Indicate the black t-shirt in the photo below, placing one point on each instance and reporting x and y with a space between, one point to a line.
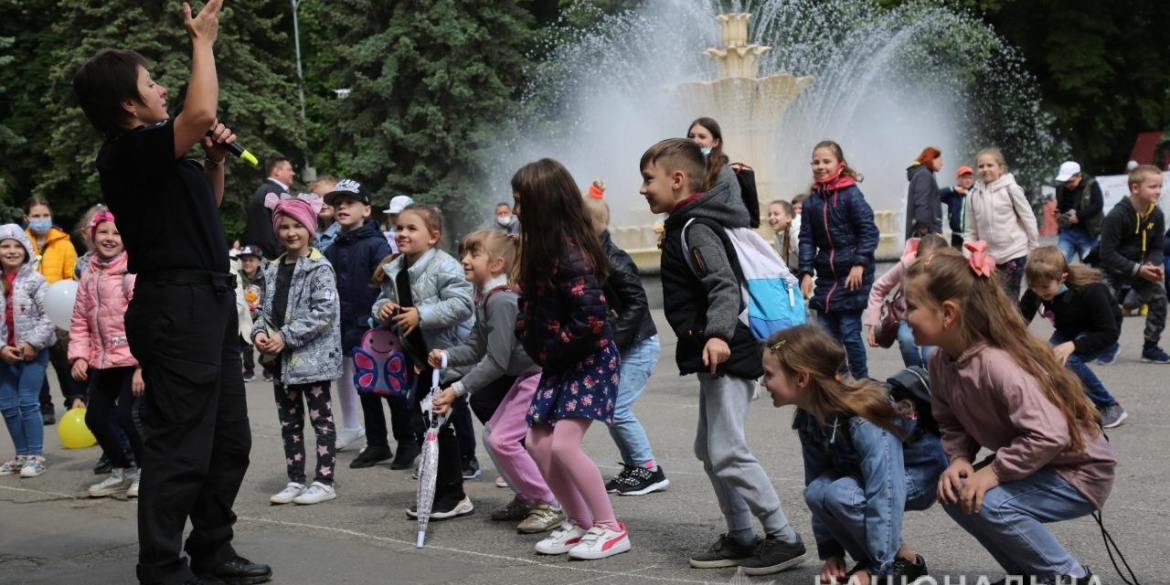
284 274
165 206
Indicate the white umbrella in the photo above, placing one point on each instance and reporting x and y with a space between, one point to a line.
428 467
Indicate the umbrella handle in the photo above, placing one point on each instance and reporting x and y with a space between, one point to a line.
435 373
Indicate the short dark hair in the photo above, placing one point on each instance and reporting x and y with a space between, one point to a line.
102 83
272 162
678 154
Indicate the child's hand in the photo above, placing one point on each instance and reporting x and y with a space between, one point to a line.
77 403
80 370
435 358
275 344
806 287
407 320
261 342
872 337
976 486
833 571
28 352
1150 272
951 481
387 310
1064 350
442 402
10 354
137 386
715 353
855 278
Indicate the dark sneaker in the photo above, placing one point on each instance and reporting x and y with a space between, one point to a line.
1113 416
267 376
726 552
48 418
1110 359
611 486
642 481
103 466
905 573
203 581
1066 580
240 571
249 377
471 468
371 457
1153 354
773 556
405 457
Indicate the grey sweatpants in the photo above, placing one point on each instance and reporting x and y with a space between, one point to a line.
741 485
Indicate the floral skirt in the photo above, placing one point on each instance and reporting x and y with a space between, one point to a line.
587 390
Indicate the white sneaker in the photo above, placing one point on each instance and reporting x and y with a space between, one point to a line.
562 540
346 437
288 494
119 481
601 542
317 493
133 491
12 467
34 466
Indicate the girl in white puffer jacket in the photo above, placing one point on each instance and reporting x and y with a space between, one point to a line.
998 213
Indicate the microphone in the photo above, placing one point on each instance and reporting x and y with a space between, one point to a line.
240 151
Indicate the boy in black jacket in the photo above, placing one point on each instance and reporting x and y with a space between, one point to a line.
703 306
1131 253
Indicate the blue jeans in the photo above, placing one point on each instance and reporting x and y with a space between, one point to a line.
865 519
1074 241
845 327
638 363
1011 523
20 392
1078 363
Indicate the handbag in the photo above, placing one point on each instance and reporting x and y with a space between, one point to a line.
890 318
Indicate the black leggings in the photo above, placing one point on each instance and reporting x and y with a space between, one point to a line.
112 390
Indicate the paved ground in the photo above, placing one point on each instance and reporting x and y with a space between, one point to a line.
50 533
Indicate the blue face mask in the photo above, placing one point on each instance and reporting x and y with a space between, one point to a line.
706 150
41 226
1062 289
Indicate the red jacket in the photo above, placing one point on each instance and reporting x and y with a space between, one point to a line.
97 332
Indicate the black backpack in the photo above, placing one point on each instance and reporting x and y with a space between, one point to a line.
910 388
748 191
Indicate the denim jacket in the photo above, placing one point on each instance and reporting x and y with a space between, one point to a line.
891 472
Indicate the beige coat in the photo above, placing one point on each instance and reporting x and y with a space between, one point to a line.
1000 215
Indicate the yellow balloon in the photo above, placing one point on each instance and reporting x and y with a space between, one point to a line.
73 432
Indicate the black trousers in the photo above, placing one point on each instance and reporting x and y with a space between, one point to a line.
184 332
449 476
113 391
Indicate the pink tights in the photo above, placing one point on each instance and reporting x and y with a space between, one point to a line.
570 473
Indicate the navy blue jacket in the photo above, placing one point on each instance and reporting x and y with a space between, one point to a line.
355 255
837 232
956 203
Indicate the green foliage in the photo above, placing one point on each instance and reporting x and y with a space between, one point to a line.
429 82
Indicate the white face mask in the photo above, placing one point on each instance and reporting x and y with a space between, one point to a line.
706 150
504 220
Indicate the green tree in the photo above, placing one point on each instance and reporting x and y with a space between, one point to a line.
429 83
257 95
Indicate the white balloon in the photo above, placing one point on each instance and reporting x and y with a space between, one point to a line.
59 302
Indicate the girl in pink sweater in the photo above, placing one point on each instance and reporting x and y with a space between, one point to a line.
98 346
995 386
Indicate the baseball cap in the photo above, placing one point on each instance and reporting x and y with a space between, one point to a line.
397 204
1067 170
965 170
348 188
251 251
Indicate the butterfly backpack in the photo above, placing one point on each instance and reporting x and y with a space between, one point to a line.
381 366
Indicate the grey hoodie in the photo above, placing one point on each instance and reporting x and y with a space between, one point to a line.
492 347
28 299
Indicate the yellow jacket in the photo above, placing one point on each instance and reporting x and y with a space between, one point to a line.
58 258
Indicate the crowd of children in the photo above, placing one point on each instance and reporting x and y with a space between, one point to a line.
541 333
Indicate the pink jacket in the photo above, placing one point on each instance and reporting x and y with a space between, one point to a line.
984 399
97 332
882 286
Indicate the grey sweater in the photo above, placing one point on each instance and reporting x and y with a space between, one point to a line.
492 346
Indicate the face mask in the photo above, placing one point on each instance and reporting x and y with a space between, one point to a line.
706 150
41 226
1063 288
504 221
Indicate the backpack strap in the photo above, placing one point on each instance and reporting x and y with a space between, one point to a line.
728 249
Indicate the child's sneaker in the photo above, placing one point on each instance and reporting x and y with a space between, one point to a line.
289 493
118 482
317 493
772 556
249 377
541 518
12 467
471 468
501 482
515 510
1112 416
562 540
445 508
726 552
133 491
1110 359
347 436
612 485
908 573
642 481
1152 354
34 465
601 542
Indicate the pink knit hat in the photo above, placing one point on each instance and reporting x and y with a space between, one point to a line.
303 208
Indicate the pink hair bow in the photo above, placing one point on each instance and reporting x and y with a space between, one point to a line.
981 264
315 201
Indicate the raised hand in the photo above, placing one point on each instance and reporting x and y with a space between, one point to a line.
205 26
